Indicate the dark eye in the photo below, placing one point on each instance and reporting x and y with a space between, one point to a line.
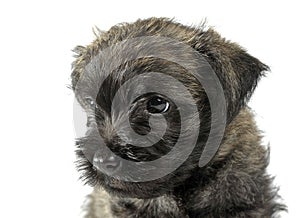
157 105
90 102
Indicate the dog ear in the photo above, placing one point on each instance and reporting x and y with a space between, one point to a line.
82 57
237 71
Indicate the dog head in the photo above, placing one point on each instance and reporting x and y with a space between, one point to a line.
150 90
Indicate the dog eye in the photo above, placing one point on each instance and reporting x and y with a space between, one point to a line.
90 102
157 105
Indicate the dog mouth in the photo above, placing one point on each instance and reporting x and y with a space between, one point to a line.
129 189
115 184
120 188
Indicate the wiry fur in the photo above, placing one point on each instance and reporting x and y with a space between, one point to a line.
233 184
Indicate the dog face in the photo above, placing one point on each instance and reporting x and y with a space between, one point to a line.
153 129
140 107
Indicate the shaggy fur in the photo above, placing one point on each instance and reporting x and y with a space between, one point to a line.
233 184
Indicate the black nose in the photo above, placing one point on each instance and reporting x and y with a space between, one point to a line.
108 165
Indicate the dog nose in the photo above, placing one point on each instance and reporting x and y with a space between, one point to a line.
109 165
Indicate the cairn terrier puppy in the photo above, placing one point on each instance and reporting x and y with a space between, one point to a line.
169 133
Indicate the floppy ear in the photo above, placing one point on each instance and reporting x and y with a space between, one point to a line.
242 78
238 71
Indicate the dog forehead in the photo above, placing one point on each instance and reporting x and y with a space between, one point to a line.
137 58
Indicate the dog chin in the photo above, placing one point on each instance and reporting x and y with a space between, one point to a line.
130 189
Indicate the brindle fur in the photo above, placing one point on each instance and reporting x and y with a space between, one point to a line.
235 183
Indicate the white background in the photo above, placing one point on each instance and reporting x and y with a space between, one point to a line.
38 177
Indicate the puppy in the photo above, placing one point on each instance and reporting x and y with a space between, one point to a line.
169 132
